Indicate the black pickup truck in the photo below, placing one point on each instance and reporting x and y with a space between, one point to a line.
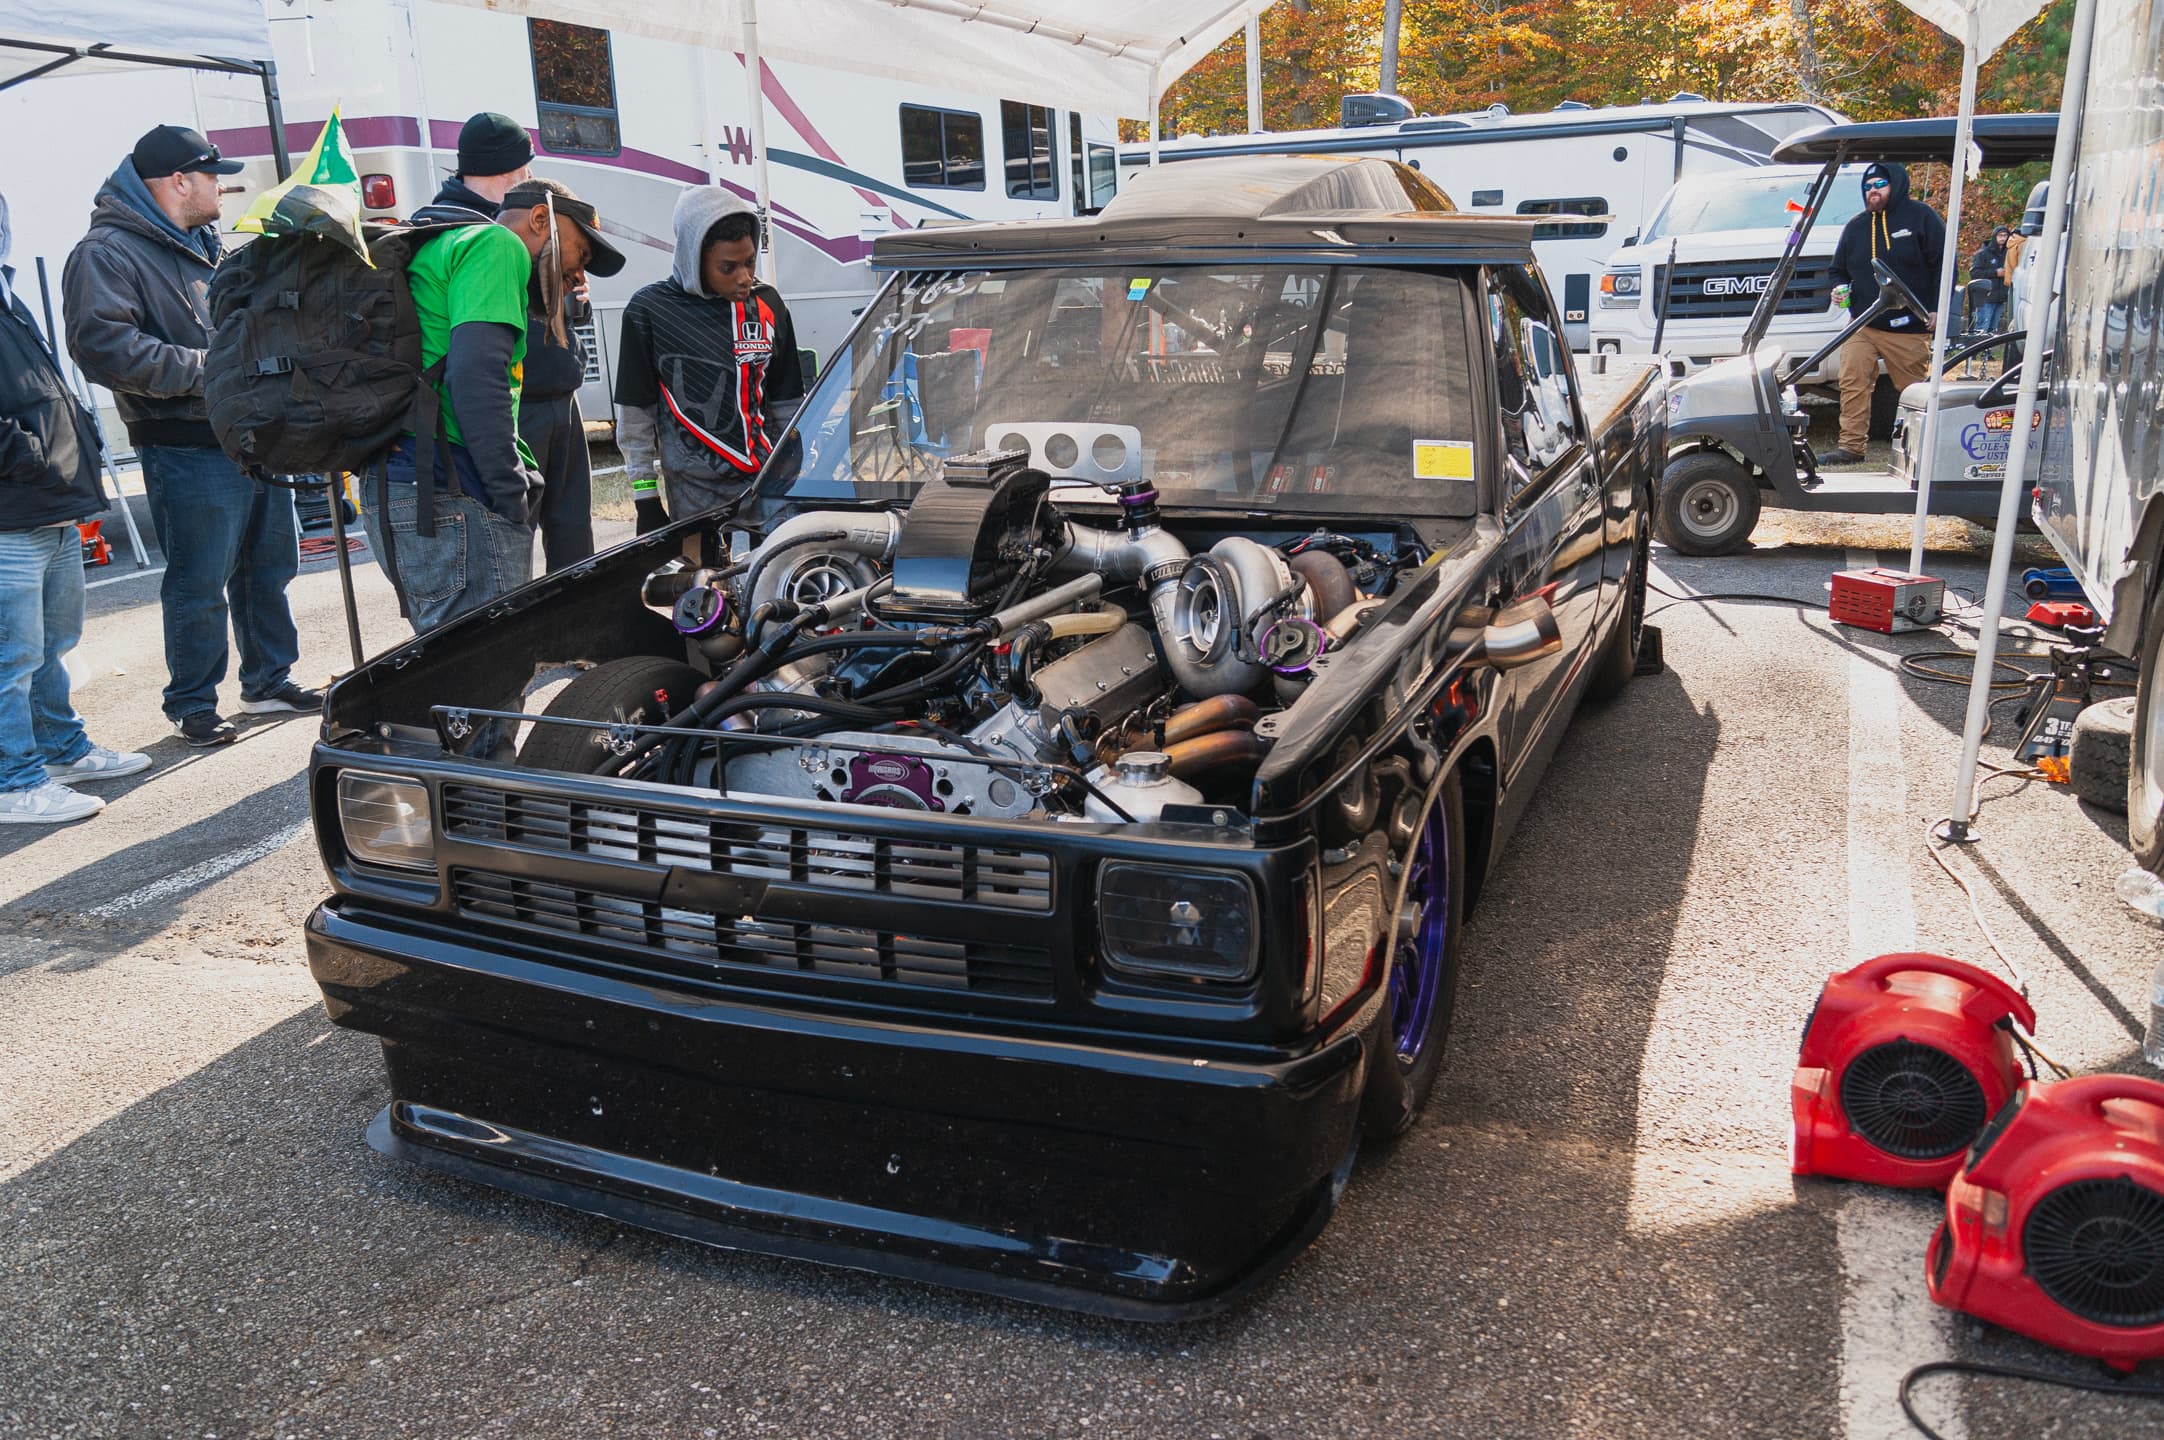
1024 845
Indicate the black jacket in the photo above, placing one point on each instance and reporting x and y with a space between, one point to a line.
1985 265
718 378
1907 235
138 312
552 371
48 441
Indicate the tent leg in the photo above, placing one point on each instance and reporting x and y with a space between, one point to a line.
2017 452
1254 73
337 496
1157 103
757 68
275 109
1964 136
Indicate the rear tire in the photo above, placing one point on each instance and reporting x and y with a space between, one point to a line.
636 690
1708 504
1420 992
2145 749
2097 765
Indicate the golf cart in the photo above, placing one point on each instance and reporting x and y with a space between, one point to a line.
1737 430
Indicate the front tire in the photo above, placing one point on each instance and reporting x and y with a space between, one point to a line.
634 690
2145 752
1422 987
1708 504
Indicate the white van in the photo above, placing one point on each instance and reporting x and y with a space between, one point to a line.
1728 231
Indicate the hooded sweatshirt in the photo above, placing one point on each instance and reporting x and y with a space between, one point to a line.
703 384
136 289
1907 235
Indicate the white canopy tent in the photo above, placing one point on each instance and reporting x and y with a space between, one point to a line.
1981 26
42 38
1110 56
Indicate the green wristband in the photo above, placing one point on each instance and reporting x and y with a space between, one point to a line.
645 485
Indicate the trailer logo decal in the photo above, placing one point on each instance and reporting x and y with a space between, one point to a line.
1735 284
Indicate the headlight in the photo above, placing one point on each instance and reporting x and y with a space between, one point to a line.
386 821
1620 287
1159 922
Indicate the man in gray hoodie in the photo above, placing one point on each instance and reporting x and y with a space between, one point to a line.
707 370
138 322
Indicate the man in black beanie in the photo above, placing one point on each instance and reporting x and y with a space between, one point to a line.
494 154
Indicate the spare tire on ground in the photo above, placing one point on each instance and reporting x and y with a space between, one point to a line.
636 690
2096 765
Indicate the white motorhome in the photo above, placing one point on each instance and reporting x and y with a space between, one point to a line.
628 121
1600 171
1727 232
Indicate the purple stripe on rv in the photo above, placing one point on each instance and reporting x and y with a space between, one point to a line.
375 132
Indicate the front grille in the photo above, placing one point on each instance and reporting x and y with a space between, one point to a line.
1810 288
808 855
713 947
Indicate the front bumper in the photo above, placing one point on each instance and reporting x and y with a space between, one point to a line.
1142 1184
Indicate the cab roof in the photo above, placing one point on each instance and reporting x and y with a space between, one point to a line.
1331 208
2006 140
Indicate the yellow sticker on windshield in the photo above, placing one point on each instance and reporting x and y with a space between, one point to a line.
1137 288
1442 459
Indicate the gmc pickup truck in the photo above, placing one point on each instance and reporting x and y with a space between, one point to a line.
1023 845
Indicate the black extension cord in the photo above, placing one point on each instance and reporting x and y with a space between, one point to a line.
2010 1372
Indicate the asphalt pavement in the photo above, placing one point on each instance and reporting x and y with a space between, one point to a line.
1592 1232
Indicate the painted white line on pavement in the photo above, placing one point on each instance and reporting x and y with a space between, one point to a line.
1888 1322
196 876
124 579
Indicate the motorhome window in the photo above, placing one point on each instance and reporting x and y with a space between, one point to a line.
1104 176
1748 201
574 83
942 149
1028 128
1078 182
1568 229
1231 387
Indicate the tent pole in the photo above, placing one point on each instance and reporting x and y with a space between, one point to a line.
1964 136
1959 821
757 68
1254 72
276 110
1157 103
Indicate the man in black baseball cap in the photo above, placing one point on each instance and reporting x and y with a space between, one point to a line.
176 150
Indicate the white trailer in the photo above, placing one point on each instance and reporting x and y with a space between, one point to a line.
1600 171
628 120
2100 497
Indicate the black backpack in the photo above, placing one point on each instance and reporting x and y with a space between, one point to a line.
314 364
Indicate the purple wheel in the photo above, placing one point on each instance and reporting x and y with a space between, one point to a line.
1423 959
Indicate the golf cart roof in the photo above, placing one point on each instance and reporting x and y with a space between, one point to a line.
2006 140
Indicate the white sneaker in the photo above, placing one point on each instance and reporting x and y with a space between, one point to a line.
101 764
50 804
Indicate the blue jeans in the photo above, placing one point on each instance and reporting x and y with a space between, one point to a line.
475 555
41 618
1988 314
231 547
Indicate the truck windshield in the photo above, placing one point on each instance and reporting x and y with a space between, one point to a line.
1754 202
1342 390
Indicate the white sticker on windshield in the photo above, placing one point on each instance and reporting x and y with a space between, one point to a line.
1442 459
991 287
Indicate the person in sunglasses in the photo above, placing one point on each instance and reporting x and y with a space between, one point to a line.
138 323
1909 236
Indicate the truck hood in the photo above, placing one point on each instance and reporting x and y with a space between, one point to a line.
1725 245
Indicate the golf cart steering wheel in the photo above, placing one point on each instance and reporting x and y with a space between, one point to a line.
1903 296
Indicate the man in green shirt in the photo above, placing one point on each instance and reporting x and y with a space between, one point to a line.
473 290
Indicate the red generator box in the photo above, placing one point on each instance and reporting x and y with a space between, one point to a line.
1885 600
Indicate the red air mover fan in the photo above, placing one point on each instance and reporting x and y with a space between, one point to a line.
2055 1229
1904 1059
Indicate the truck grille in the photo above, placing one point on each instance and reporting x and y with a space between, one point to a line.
1729 289
703 946
837 860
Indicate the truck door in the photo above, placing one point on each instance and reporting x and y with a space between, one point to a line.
1551 495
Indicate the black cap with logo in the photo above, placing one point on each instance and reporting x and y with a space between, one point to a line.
606 259
174 149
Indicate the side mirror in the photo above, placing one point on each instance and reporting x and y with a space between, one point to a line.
1519 634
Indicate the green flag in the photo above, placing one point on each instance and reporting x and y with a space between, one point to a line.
322 197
